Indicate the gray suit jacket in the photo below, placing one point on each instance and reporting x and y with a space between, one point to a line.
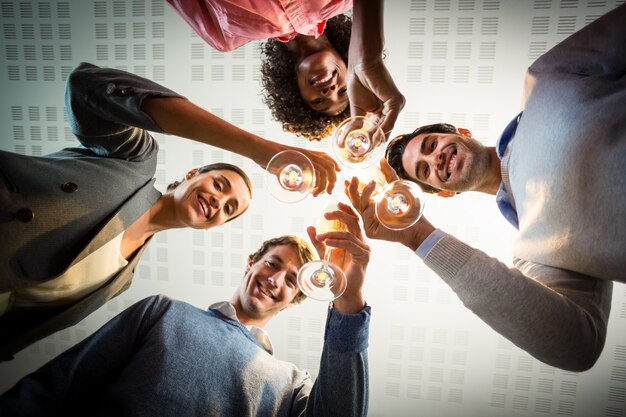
57 209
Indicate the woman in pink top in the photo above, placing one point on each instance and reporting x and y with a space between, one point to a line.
316 58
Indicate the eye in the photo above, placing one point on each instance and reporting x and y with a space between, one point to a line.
229 209
426 171
270 264
217 186
291 283
342 91
317 101
433 145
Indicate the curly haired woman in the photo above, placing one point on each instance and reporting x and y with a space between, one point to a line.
316 60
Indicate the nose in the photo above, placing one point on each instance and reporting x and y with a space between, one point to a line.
328 90
436 160
276 279
215 203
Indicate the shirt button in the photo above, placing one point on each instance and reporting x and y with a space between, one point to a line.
69 187
24 215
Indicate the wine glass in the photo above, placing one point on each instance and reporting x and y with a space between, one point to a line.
322 279
399 205
289 176
357 142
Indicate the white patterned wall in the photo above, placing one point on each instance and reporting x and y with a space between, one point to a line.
460 61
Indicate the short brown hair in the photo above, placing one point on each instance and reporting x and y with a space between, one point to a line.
397 146
303 249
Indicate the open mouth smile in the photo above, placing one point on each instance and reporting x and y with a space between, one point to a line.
324 80
204 207
450 163
265 292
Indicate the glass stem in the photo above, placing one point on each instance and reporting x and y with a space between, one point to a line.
327 254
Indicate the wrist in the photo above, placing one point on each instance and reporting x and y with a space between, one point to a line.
416 235
265 151
349 304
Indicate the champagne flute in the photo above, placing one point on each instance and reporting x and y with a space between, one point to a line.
322 279
289 176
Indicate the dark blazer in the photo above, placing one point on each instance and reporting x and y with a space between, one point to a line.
59 208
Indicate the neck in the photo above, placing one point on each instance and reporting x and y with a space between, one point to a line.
245 318
493 178
159 217
302 46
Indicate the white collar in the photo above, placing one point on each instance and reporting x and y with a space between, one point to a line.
258 333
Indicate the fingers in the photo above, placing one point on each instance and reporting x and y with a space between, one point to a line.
388 171
346 215
320 181
348 242
320 247
325 172
360 201
380 136
391 111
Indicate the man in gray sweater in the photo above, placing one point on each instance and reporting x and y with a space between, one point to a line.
162 357
559 176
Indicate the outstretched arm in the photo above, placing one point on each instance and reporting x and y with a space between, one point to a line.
180 117
110 111
341 388
370 86
73 379
558 316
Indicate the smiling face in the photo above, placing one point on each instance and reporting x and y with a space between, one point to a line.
446 161
321 79
269 285
209 199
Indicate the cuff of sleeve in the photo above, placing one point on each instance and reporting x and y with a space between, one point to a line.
448 257
429 243
347 332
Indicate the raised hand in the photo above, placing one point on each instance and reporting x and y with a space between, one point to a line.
363 202
372 90
350 253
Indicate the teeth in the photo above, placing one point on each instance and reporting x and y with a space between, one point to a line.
325 78
267 293
452 164
204 207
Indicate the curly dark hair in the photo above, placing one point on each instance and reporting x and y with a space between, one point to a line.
304 250
397 146
280 86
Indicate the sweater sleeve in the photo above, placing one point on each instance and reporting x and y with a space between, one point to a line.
72 378
342 385
104 111
558 316
598 48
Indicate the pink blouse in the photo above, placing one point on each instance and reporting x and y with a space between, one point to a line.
229 24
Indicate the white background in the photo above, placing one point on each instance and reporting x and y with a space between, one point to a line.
460 61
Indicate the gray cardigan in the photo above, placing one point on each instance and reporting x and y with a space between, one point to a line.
565 173
57 209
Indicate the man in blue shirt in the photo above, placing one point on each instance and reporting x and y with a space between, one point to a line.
558 176
168 358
